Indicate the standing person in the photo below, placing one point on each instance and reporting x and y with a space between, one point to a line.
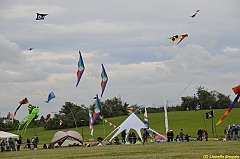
171 135
123 136
36 141
226 133
28 144
7 145
168 136
33 143
2 145
181 135
145 135
200 134
205 135
11 144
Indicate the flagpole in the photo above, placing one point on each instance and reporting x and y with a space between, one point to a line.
212 126
204 121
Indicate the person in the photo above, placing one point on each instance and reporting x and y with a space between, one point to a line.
28 144
200 134
33 143
145 135
168 136
116 141
19 141
205 135
16 144
7 145
123 136
36 141
171 135
187 136
181 135
2 145
226 133
44 146
11 144
134 138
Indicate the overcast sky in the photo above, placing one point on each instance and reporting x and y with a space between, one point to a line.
129 38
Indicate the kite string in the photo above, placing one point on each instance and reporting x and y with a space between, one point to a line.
184 89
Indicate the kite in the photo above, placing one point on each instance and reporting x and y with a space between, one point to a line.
50 96
236 90
60 123
40 16
130 109
90 122
176 38
27 120
31 48
96 108
146 118
81 68
192 16
21 102
104 79
47 118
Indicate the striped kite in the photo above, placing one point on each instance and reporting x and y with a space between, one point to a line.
90 122
176 38
104 79
21 102
236 90
81 68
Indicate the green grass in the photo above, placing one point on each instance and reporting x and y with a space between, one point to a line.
161 150
190 121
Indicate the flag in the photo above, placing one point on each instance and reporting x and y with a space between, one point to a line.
146 118
210 114
60 123
104 79
90 122
40 16
96 108
81 68
50 96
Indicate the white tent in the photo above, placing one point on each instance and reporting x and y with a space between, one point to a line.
132 122
4 134
67 138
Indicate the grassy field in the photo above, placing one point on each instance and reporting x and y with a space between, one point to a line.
189 121
165 150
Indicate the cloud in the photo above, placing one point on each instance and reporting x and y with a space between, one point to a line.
10 52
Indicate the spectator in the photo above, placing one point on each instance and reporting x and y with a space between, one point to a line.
226 133
11 144
44 146
168 136
7 145
171 135
205 135
2 145
181 135
28 144
36 142
145 135
123 136
200 134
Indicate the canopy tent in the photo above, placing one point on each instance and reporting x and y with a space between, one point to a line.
132 122
67 138
4 134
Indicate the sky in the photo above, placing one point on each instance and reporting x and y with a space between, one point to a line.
129 38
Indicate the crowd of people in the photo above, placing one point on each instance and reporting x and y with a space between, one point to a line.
231 132
15 144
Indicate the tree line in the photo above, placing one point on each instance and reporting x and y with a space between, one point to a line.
73 115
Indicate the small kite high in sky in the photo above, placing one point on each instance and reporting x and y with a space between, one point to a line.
192 16
81 68
21 102
236 90
40 16
50 97
31 48
104 79
176 38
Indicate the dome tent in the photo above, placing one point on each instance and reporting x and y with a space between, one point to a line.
67 138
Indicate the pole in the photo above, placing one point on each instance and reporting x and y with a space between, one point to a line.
82 128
